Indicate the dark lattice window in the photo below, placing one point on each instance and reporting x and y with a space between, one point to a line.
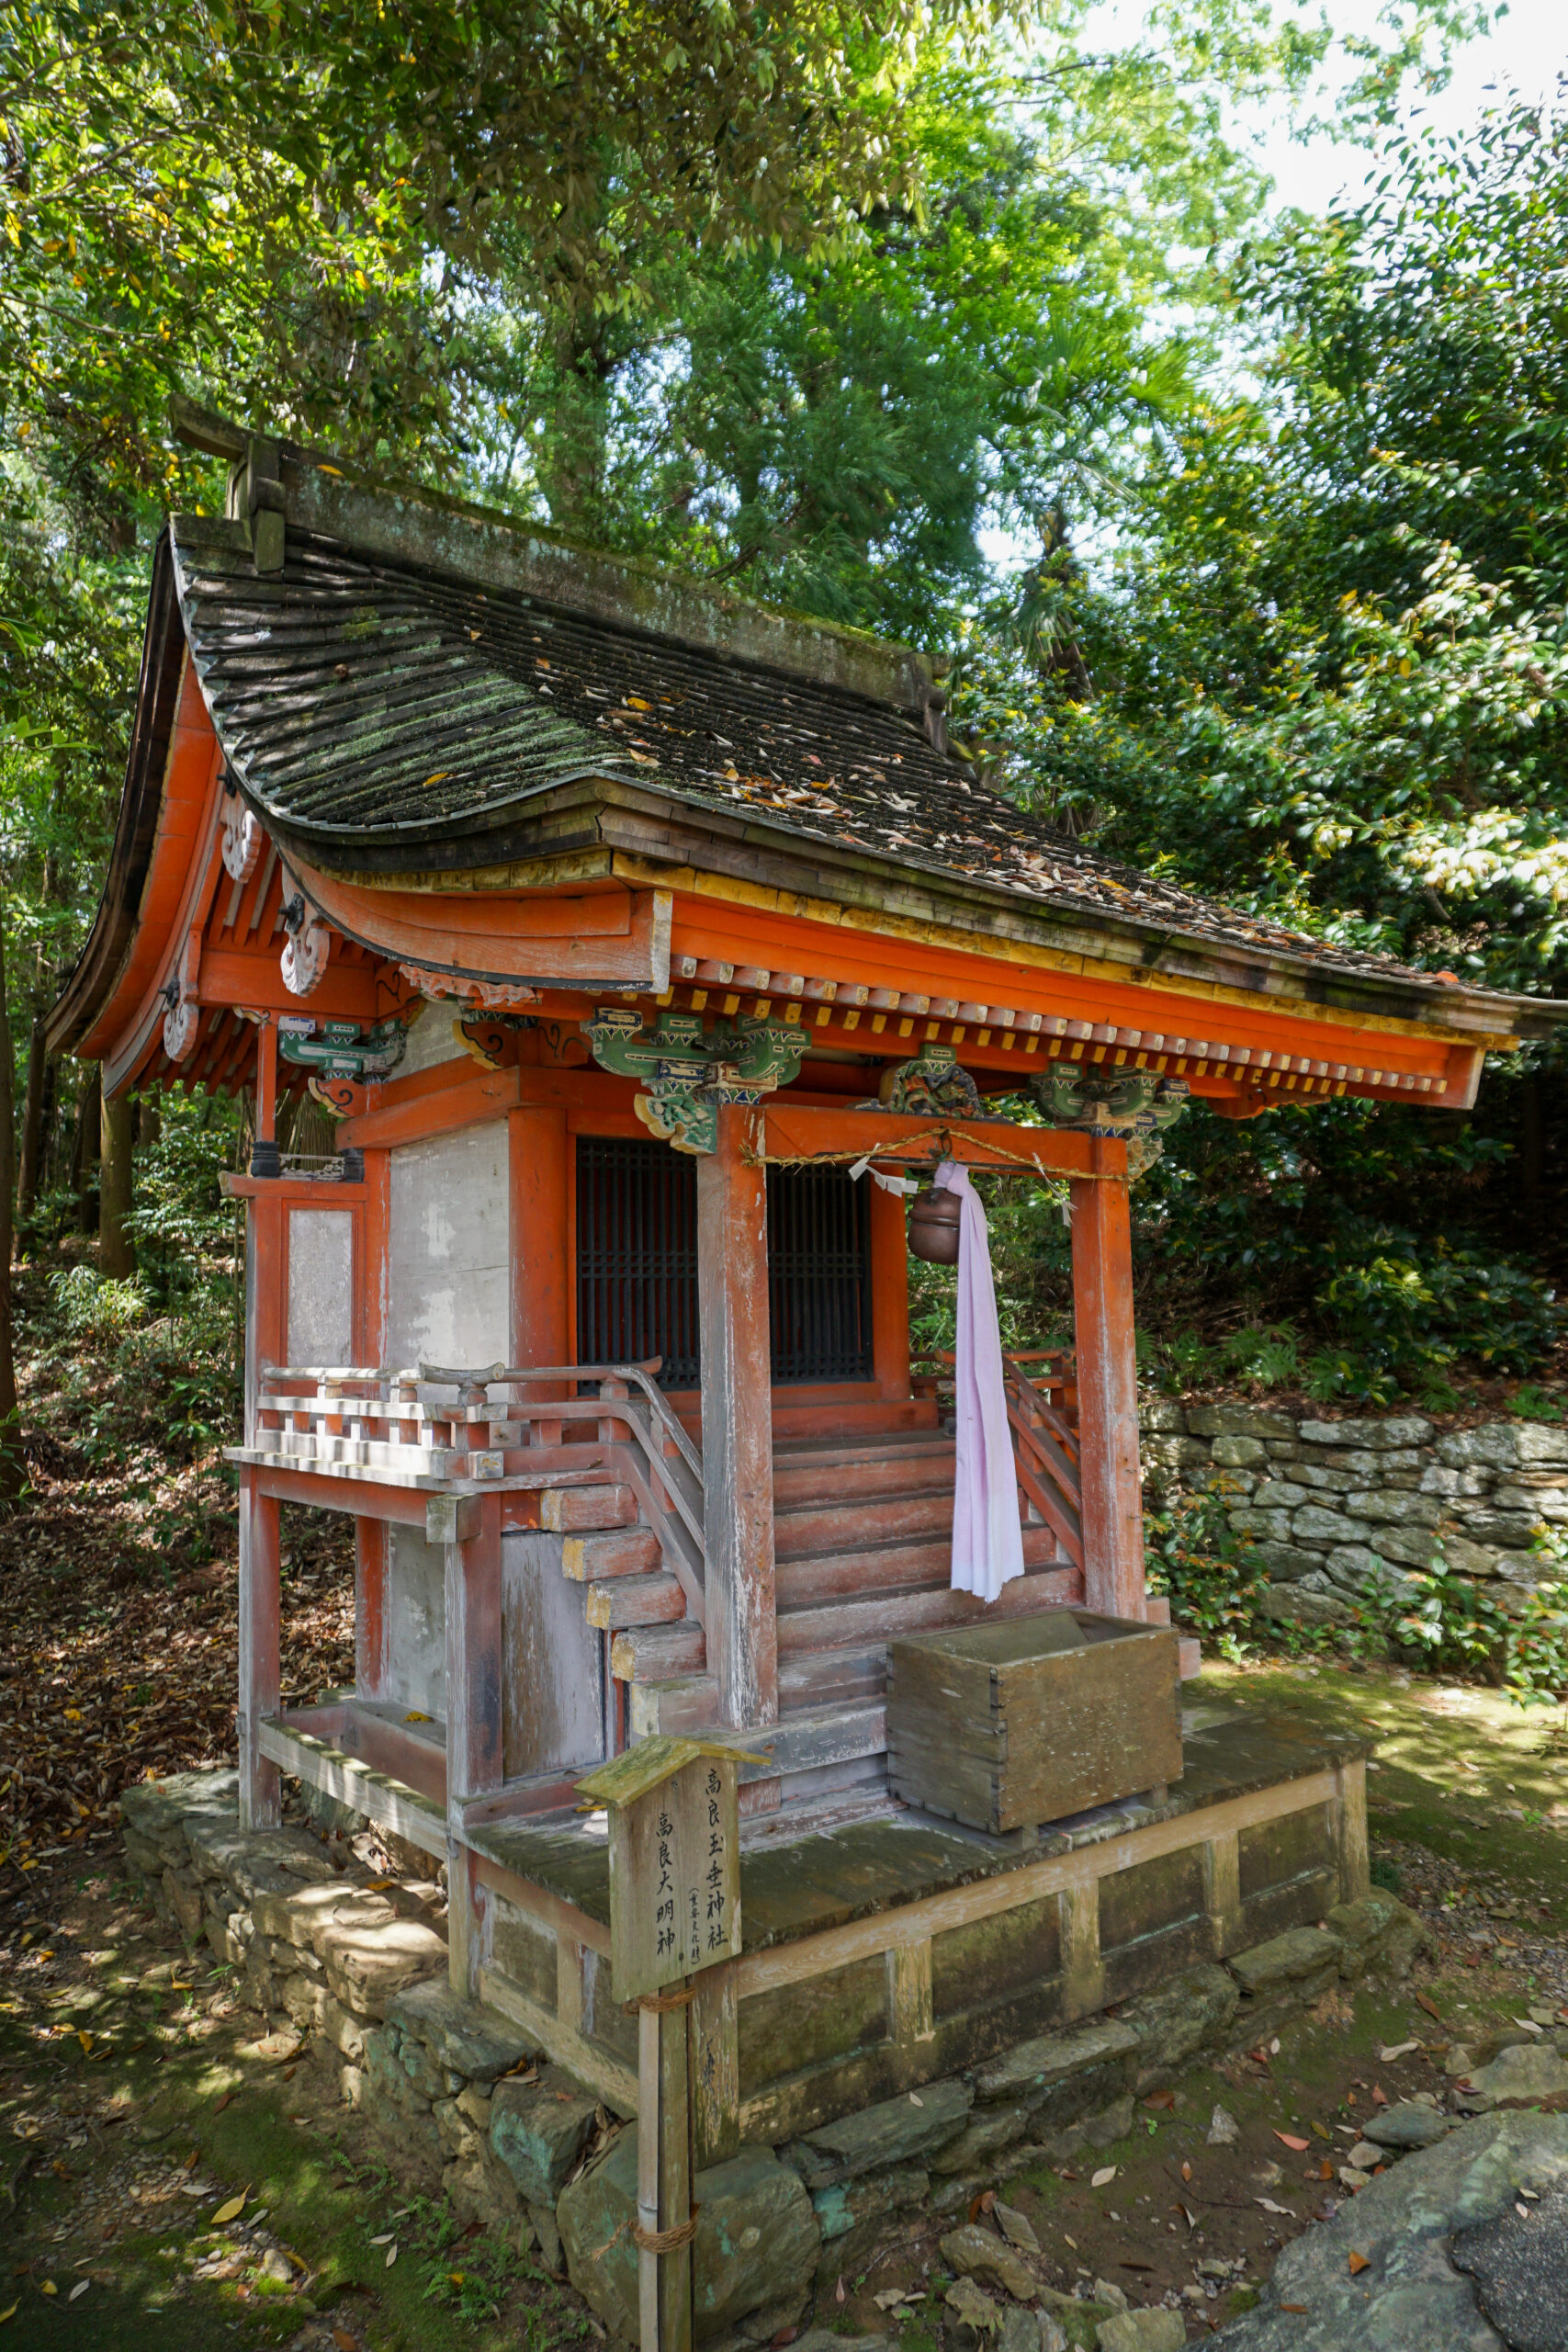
637 1264
819 1275
637 1256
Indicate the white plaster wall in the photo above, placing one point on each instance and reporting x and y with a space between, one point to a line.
432 1037
448 1249
416 1644
321 1273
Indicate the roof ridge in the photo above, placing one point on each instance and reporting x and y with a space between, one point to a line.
408 523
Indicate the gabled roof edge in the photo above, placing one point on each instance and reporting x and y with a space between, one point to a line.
92 976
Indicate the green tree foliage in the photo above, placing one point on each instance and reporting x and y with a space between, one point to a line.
1330 672
815 300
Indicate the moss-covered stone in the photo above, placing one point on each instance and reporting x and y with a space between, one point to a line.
538 2131
1193 2012
754 2257
898 2130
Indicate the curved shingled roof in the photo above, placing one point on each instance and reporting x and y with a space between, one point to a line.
388 716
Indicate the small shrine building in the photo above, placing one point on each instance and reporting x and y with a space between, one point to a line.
629 929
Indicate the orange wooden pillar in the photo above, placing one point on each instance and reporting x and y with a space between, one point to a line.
471 1526
541 1176
1108 1388
889 1291
737 1440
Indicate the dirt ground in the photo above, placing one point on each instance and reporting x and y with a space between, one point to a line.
135 2105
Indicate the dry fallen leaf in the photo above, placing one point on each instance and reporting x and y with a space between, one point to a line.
1358 2262
79 2289
1186 2170
1290 2141
47 2287
392 2254
1269 2206
1380 2097
1396 2050
1101 2178
1293 2307
9 2313
839 2292
1424 2001
230 2211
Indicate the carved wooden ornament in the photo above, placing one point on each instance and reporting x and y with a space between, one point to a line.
242 839
307 948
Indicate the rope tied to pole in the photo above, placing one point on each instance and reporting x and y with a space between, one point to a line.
939 1143
663 2003
664 2241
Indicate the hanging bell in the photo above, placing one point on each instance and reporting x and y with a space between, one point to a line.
933 1226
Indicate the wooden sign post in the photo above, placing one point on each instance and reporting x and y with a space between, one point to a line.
674 1910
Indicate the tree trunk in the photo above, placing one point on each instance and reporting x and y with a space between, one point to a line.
10 1431
149 1120
116 1255
31 1152
83 1148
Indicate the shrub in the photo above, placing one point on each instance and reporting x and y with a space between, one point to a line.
1457 1623
94 1306
1213 1578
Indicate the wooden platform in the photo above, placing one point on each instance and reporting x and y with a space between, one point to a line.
886 1950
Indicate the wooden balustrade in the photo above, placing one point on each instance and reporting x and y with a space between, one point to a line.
1043 1417
406 1424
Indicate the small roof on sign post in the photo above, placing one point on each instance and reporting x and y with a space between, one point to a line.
631 1774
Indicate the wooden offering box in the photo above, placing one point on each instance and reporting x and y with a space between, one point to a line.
1006 1724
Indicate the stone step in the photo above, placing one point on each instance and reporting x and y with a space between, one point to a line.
874 1567
923 1609
636 1601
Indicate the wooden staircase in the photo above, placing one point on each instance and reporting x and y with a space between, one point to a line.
862 1546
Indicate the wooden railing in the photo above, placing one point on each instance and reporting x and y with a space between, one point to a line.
1043 1417
367 1418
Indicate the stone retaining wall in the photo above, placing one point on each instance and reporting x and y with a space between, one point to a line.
1335 1507
350 1969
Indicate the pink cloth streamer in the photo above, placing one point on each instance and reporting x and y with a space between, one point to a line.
987 1541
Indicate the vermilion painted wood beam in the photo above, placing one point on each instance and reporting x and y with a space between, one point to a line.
800 1131
540 1196
739 1615
1108 1396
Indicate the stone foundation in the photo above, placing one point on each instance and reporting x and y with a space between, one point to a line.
1334 1507
352 1966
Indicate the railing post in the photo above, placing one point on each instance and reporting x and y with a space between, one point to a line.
261 1785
